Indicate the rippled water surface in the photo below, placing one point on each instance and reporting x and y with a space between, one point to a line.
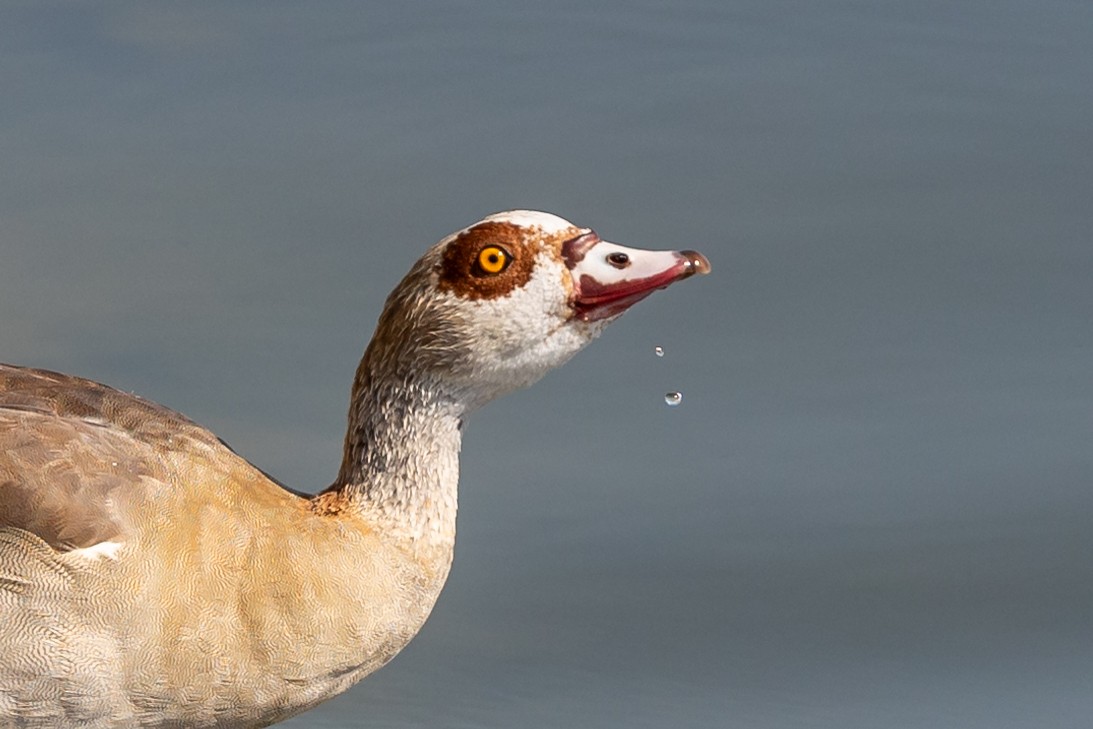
873 507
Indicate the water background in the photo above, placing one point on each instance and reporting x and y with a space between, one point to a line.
873 506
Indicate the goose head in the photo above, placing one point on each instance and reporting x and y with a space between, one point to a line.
493 307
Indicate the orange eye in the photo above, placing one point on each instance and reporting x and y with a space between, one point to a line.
493 259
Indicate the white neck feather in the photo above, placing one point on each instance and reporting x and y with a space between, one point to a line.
401 462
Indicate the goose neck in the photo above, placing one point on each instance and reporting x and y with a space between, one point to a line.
401 458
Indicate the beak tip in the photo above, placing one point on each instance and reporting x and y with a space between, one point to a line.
696 263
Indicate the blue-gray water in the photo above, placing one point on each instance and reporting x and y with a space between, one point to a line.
873 507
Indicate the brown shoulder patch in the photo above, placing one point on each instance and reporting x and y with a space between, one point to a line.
461 274
329 503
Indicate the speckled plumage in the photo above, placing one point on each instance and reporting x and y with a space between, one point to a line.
151 577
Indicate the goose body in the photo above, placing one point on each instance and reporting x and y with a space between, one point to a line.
151 577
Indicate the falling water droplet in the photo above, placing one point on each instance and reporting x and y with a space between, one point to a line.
659 351
673 398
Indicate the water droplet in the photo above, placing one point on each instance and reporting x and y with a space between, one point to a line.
673 398
659 351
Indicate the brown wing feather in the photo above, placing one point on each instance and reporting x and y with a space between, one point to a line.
75 455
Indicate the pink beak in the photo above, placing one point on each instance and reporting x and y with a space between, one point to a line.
608 278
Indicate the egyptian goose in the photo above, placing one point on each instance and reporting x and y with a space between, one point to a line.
151 577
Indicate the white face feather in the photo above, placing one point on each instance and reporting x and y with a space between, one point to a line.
549 224
519 337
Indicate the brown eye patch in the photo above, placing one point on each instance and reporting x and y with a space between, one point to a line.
462 273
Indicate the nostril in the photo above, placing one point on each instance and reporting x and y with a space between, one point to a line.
618 259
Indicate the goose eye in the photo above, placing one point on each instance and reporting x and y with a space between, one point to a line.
493 260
